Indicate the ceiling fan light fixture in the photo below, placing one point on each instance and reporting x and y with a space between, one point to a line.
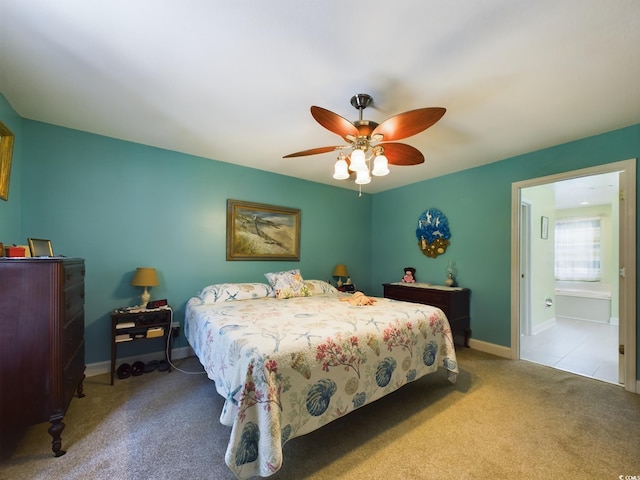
358 161
372 144
380 166
341 169
363 177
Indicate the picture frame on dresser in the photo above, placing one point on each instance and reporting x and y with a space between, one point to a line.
40 247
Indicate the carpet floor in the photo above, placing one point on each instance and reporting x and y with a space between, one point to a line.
503 419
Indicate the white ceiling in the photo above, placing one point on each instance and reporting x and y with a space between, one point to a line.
587 191
234 80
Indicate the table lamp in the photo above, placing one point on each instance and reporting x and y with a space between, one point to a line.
145 277
340 271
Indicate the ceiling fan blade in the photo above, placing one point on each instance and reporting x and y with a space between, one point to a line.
334 122
409 123
313 151
402 154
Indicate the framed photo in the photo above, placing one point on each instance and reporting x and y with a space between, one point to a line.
40 247
6 152
262 232
544 228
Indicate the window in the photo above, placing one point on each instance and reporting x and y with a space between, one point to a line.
577 249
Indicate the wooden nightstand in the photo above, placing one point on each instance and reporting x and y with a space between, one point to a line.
453 301
141 325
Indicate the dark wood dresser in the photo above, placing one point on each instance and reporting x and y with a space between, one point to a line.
453 301
42 359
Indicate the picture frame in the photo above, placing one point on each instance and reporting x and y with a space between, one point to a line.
6 154
40 247
544 228
256 231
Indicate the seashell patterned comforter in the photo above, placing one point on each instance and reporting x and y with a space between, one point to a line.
288 367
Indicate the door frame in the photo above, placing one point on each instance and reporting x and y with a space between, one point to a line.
524 269
627 307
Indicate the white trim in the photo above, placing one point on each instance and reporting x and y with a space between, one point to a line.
552 322
632 383
99 368
492 348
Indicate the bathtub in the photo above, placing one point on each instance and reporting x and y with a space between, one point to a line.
583 304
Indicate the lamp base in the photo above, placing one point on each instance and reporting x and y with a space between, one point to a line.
144 298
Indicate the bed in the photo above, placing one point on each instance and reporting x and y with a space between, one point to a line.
289 364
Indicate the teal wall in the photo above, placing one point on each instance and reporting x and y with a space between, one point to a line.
477 203
121 205
10 210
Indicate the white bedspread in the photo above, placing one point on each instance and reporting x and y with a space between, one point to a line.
288 367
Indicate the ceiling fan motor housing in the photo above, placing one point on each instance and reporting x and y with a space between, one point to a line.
361 101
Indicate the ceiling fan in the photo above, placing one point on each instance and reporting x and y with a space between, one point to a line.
363 136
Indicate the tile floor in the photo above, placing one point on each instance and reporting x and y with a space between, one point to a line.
582 347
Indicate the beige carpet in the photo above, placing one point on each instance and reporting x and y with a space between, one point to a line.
504 419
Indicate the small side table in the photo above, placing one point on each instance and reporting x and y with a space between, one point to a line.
136 325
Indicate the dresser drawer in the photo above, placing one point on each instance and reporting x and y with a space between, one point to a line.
73 273
439 299
73 300
72 337
73 374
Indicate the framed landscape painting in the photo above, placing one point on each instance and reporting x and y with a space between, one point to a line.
262 232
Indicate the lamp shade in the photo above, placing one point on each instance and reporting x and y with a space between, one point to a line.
340 271
145 277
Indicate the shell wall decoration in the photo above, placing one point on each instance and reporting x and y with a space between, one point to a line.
433 232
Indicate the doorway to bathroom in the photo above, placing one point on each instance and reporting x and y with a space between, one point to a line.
577 324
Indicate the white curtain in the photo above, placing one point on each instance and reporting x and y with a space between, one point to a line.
577 249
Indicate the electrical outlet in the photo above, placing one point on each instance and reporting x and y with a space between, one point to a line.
175 329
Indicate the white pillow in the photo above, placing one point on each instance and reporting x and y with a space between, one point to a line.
319 287
227 292
288 284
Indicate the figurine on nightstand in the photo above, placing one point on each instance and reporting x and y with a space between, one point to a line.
409 275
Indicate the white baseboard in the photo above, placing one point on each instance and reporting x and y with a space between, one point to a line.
544 325
492 348
99 368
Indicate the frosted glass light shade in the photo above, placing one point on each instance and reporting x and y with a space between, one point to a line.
380 166
363 177
357 161
341 170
